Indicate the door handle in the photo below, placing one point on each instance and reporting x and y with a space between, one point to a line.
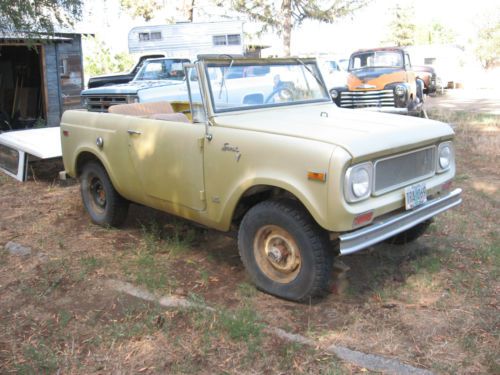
134 132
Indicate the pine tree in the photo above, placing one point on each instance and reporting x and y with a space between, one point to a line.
283 16
403 27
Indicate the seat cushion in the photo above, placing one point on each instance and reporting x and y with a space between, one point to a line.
178 117
141 109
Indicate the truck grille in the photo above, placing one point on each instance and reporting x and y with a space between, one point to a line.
404 169
102 103
361 99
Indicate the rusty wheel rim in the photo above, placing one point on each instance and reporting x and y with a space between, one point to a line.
97 194
277 254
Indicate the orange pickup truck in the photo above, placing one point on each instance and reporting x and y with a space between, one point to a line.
381 79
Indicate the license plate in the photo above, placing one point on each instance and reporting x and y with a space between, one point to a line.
415 195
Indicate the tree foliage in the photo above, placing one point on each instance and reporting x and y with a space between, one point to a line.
487 43
38 17
99 59
435 33
144 9
282 16
402 27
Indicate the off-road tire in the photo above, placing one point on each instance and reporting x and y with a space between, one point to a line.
103 203
410 235
316 255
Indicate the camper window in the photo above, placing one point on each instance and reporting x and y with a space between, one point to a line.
234 40
156 35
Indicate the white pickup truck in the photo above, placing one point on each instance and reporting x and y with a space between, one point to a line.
147 86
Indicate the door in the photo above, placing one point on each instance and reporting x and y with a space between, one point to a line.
168 159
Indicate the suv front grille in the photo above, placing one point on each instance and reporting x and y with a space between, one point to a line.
102 103
396 171
361 99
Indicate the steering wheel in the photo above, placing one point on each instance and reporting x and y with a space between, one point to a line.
284 93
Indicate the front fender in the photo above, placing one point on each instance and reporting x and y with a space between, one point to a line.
312 202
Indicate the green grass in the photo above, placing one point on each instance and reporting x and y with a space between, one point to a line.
137 321
242 324
39 359
246 290
150 263
174 239
89 264
151 273
3 257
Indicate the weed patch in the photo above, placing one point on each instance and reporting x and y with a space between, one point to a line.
38 359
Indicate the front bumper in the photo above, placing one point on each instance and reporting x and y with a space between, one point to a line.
399 111
390 226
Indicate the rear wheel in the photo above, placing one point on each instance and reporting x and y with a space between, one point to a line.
103 203
285 252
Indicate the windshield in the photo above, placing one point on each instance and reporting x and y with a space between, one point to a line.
162 69
379 59
235 86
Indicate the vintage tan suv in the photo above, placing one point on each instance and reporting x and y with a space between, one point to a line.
268 153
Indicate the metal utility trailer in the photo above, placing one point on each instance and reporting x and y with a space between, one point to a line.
18 148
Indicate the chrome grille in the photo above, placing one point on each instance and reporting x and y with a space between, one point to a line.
102 103
360 99
404 169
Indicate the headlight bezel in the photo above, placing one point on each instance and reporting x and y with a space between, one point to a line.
451 156
349 191
132 99
334 94
400 90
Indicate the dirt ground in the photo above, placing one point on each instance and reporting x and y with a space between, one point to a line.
432 304
471 100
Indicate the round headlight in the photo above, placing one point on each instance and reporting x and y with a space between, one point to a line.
400 90
360 183
334 94
444 157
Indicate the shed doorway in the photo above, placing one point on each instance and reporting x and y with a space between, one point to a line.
21 87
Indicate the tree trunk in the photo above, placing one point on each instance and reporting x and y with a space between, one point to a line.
189 9
286 9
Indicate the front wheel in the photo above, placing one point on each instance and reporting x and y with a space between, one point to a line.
410 235
103 203
285 252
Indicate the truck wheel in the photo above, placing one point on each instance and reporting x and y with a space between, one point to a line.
410 235
103 203
285 252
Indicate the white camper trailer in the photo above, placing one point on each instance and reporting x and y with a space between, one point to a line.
187 40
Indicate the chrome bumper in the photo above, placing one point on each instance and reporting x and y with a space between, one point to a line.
390 226
395 110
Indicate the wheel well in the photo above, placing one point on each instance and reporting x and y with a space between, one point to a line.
257 194
83 159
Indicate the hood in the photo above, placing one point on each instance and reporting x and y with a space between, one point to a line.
111 75
376 77
130 88
364 134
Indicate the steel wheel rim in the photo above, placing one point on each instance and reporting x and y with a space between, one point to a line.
277 254
97 194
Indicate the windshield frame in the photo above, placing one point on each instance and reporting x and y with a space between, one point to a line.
149 61
226 63
374 53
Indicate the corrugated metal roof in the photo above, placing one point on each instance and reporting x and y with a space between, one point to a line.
23 36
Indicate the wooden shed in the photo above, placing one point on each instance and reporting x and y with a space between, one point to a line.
39 79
